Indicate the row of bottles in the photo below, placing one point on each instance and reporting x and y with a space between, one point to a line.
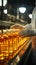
9 43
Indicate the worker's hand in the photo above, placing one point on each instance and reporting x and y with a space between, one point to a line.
27 32
23 33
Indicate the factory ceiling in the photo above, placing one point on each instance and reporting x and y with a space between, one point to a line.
12 6
29 4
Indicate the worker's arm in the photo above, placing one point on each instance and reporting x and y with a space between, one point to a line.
27 32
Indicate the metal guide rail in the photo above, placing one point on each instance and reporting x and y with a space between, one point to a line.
10 45
23 50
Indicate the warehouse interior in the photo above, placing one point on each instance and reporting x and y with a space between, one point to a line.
17 32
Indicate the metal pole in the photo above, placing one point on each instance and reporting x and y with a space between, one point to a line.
17 13
2 14
17 9
2 11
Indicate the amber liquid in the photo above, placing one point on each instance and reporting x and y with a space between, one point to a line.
9 44
1 48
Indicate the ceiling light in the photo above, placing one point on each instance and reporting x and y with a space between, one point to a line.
22 9
4 2
30 15
0 2
5 11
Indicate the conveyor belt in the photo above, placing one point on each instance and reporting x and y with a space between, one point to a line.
21 51
24 58
24 44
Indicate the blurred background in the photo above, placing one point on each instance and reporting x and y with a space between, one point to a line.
10 12
16 15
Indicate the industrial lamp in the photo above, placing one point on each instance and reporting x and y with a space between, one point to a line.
5 11
22 9
4 2
30 15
